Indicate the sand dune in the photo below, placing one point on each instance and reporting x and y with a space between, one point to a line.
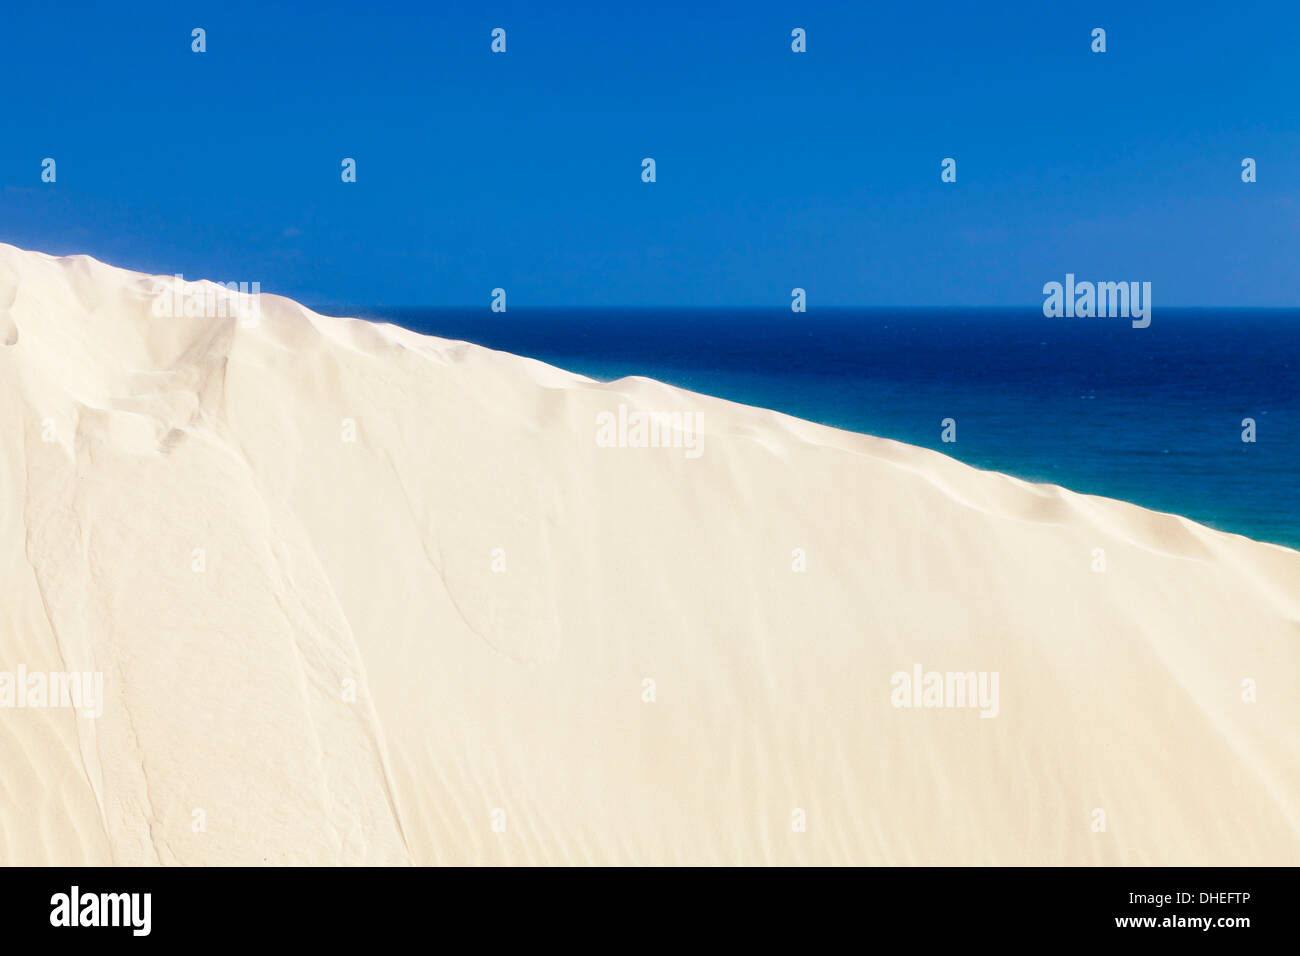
435 643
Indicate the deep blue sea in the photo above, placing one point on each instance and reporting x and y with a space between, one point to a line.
1152 416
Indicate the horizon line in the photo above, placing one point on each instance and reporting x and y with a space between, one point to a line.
1036 307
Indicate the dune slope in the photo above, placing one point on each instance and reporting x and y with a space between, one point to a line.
359 595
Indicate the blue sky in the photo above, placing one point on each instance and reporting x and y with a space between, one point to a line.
775 169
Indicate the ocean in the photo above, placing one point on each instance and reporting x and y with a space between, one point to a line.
1152 416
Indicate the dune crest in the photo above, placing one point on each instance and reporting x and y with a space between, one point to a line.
359 595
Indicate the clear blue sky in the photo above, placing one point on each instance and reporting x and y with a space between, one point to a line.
775 169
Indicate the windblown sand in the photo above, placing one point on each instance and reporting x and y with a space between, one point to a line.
475 635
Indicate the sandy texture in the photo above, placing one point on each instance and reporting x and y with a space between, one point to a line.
498 588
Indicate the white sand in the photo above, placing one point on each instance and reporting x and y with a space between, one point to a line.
371 561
